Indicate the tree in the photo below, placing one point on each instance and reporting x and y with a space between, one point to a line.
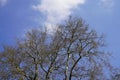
115 74
73 52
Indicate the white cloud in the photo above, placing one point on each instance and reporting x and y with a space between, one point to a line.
3 2
107 4
57 10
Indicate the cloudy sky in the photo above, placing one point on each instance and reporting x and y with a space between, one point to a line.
18 16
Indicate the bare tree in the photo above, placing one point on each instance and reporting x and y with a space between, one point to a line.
115 75
73 52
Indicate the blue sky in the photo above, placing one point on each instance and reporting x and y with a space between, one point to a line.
18 16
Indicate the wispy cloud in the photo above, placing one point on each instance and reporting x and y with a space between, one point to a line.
57 10
3 2
107 4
